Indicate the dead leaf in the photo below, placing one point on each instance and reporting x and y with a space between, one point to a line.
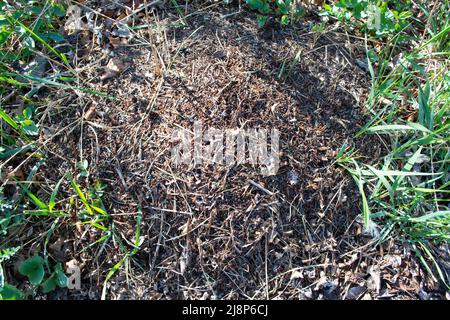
15 174
158 68
374 282
79 226
354 293
88 115
117 42
47 133
296 274
219 54
122 30
114 67
57 249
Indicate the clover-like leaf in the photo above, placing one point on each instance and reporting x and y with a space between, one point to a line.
33 268
59 10
61 278
58 278
9 292
260 5
49 284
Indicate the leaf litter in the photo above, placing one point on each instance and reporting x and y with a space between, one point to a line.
215 232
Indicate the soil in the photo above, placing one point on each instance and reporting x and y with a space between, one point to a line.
212 231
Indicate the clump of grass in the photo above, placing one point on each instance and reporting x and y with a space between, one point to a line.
28 37
32 60
408 193
29 41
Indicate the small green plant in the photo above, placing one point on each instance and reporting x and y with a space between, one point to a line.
57 279
7 291
380 18
6 254
82 166
28 40
287 10
33 24
27 125
33 269
9 217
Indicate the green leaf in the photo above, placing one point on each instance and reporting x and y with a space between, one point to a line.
432 216
283 8
12 152
99 210
52 201
29 127
28 42
6 254
326 6
8 119
37 201
397 127
59 10
57 37
9 292
61 278
81 195
261 21
425 112
61 55
33 268
49 284
83 166
4 34
260 5
285 20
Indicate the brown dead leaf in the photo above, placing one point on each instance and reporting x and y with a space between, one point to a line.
91 111
158 68
354 293
15 174
374 281
57 249
185 228
114 67
79 226
312 185
117 42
